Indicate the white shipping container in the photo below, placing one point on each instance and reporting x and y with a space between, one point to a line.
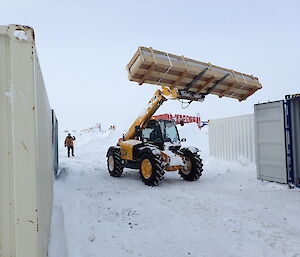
26 165
232 138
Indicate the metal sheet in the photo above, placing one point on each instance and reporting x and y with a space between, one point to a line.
270 141
232 138
26 166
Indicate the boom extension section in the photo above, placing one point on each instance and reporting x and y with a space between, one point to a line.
160 96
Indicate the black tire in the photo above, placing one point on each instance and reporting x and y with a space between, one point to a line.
195 171
157 171
114 162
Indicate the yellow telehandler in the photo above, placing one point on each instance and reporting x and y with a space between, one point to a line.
153 146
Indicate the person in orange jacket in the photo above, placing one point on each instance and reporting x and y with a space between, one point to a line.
69 142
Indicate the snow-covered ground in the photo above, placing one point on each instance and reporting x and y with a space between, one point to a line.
228 212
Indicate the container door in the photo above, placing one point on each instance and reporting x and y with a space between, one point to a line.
270 141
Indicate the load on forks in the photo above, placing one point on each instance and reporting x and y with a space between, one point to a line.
154 146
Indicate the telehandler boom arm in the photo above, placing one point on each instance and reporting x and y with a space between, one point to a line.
160 96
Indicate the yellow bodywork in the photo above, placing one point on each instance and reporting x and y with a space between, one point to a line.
127 148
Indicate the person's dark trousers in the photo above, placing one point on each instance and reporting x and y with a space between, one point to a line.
72 149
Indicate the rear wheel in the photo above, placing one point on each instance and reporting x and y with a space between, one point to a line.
151 169
114 162
194 166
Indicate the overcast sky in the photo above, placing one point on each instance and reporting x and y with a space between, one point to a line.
84 46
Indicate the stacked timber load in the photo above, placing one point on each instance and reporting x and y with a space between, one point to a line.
188 75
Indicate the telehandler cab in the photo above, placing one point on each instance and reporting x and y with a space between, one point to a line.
154 146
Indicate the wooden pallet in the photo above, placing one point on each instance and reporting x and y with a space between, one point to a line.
188 75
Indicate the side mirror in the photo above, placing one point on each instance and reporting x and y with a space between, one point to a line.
138 131
183 140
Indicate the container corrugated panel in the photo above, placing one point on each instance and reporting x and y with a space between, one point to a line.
232 138
26 167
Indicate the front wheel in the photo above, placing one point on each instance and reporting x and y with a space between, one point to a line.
194 166
114 162
151 169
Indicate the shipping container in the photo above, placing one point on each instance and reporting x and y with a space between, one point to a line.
277 135
26 166
232 138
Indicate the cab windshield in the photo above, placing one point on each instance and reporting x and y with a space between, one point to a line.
171 133
161 131
152 132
